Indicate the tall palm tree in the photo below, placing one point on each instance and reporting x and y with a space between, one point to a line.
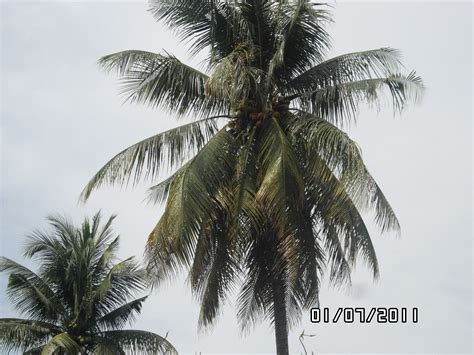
267 189
80 299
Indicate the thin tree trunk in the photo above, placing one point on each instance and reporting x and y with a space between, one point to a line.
281 326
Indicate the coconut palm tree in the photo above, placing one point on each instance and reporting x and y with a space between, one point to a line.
80 299
266 189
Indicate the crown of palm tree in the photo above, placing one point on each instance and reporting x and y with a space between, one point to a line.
80 299
272 196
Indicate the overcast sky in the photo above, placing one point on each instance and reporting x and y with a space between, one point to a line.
62 118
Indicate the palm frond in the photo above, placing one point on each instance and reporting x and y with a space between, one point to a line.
29 293
163 81
340 103
375 63
160 192
301 38
34 351
341 153
214 268
339 267
343 157
345 234
256 298
234 78
44 247
140 342
242 191
122 281
212 24
305 267
190 202
147 156
118 318
63 342
104 346
105 258
22 334
257 16
281 188
385 216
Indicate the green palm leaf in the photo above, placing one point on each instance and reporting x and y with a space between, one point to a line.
340 103
173 145
344 230
215 25
376 63
61 342
187 206
162 81
343 157
29 292
160 192
281 187
301 39
215 267
119 317
140 342
20 334
234 77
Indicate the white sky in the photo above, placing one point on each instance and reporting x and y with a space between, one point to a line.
61 119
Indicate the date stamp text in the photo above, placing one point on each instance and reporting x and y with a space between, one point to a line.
364 315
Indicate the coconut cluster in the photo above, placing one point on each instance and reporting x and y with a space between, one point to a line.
248 113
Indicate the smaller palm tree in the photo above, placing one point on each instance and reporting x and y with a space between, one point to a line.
80 299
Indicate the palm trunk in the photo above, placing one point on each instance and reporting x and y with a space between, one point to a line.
281 326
